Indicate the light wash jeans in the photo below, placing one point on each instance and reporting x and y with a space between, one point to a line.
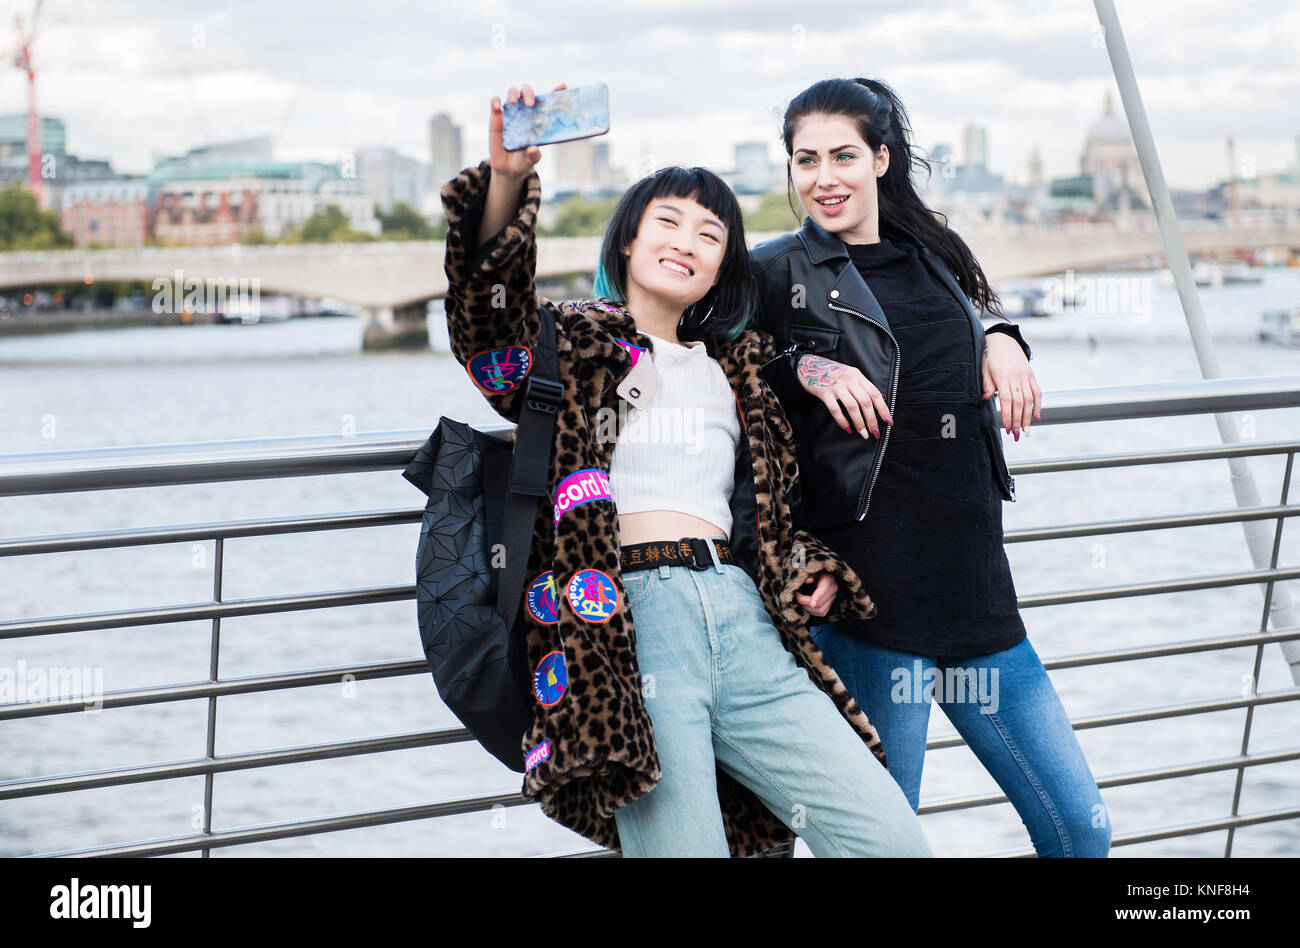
1009 715
721 690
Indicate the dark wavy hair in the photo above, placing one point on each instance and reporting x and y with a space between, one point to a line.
881 119
724 312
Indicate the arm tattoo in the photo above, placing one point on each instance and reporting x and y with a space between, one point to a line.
819 372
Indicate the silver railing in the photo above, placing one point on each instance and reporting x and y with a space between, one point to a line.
151 466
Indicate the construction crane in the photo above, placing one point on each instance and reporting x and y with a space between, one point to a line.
22 58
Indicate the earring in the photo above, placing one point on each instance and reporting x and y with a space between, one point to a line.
707 314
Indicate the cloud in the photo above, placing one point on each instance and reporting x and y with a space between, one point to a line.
688 78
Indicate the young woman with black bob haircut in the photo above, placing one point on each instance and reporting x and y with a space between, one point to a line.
886 374
681 705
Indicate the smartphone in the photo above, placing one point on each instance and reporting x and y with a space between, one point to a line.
561 116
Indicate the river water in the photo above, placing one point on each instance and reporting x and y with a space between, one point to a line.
211 383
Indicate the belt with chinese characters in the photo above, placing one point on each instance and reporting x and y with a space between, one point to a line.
688 551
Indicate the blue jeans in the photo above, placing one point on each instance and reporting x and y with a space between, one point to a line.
1010 716
721 690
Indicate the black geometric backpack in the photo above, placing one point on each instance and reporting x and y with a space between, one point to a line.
482 502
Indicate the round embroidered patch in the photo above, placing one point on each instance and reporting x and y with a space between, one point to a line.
499 371
543 605
593 595
550 680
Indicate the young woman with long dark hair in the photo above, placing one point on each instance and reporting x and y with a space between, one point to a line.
714 725
886 374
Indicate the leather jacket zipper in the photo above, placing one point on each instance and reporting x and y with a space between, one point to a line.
864 500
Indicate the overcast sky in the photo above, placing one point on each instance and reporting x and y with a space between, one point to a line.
687 78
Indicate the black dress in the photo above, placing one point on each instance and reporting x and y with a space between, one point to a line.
930 550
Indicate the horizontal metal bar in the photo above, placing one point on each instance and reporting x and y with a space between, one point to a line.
24 628
129 698
1156 714
266 605
269 831
1185 647
1181 830
1212 581
1090 462
190 691
1170 398
155 465
206 462
1123 780
269 526
1142 524
198 766
370 818
1205 826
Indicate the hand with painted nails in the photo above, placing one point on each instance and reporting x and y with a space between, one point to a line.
512 164
1007 372
839 385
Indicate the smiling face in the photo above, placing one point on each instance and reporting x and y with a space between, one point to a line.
677 252
834 173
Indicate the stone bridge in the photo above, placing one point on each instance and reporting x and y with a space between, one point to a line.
393 282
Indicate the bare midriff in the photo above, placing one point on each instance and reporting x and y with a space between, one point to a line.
650 525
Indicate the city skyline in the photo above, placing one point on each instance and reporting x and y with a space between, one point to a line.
173 79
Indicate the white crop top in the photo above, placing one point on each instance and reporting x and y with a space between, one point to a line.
679 453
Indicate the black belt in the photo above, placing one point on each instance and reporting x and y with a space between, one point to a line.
688 551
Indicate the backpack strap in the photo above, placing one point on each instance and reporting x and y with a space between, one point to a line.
530 467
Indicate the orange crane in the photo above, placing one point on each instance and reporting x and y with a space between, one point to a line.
22 58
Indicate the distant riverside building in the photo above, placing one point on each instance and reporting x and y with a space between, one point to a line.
389 177
942 163
755 173
256 148
13 135
975 139
62 170
1272 190
583 167
1110 177
445 149
1110 159
1035 168
224 201
110 214
204 215
969 188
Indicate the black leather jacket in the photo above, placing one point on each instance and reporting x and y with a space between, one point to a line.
814 300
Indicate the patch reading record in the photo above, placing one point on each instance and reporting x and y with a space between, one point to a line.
581 487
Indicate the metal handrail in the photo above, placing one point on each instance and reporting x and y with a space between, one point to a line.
155 465
258 459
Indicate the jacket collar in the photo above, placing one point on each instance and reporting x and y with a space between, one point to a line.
847 288
818 244
821 246
853 291
613 317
